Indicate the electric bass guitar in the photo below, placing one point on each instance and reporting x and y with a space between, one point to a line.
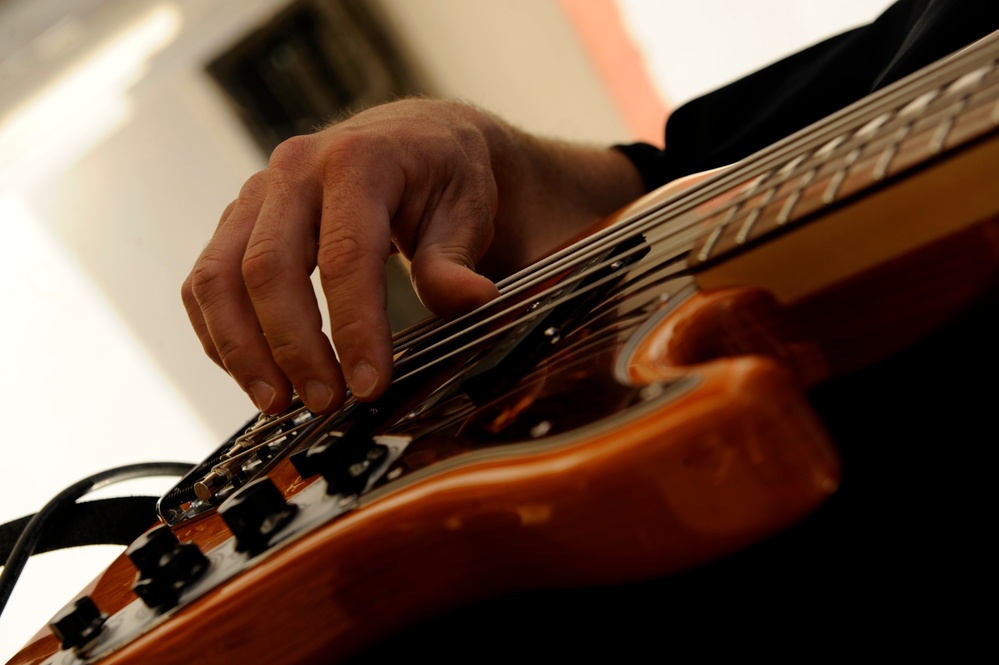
631 407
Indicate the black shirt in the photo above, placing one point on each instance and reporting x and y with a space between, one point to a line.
759 109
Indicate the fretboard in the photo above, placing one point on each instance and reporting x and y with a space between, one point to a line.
886 136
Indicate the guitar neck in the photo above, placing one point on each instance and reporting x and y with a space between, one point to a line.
889 175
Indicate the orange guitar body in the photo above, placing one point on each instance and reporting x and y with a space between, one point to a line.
669 428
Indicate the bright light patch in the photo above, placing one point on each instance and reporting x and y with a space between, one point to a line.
84 105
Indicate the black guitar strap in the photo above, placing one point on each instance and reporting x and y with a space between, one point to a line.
114 521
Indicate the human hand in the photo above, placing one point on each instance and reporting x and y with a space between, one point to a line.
449 186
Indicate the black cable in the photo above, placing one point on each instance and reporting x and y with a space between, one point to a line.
28 541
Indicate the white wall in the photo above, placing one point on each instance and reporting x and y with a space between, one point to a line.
692 47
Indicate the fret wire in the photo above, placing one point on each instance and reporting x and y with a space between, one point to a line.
837 180
716 233
940 136
852 149
797 166
829 148
920 103
971 79
881 168
792 200
785 211
789 171
751 192
847 147
747 226
943 130
872 127
705 252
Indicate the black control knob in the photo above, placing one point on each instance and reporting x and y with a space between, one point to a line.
349 474
166 566
306 464
345 460
256 513
78 623
149 550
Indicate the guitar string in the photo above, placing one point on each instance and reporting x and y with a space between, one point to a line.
800 144
580 349
584 352
851 120
661 240
835 148
893 97
643 220
762 165
567 283
495 332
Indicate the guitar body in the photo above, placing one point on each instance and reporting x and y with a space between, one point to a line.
661 428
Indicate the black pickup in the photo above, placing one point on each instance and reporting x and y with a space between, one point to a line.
520 349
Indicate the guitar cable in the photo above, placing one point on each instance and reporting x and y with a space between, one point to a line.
31 535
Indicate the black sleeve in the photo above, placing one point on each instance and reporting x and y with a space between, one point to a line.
736 120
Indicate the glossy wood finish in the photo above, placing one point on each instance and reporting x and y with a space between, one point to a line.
613 505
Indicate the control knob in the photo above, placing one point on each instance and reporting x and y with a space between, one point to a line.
166 566
256 513
78 623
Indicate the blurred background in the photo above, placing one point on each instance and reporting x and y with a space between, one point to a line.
126 126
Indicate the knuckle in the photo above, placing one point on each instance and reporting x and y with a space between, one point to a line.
339 250
346 331
262 265
187 294
207 281
356 149
228 352
290 155
228 210
286 353
254 188
352 142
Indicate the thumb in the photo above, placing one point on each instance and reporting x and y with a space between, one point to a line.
446 284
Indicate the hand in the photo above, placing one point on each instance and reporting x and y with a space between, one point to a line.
451 187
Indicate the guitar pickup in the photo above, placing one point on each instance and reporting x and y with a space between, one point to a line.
522 348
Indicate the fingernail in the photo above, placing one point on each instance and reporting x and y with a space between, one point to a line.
363 379
317 395
262 394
